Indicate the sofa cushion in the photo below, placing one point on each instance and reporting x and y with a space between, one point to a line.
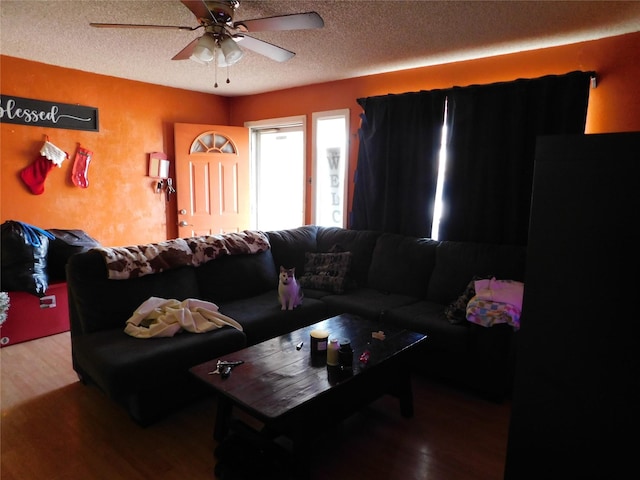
232 277
360 243
428 318
326 271
365 302
261 316
97 303
468 354
458 262
120 364
317 294
289 246
402 264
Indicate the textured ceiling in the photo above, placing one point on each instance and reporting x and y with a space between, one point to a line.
360 37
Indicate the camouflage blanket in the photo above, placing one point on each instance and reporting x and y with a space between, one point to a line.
139 260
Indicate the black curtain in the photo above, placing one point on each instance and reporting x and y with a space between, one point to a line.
397 170
491 147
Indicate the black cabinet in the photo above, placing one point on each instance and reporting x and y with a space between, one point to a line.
575 400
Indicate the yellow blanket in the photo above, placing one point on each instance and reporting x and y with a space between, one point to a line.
159 317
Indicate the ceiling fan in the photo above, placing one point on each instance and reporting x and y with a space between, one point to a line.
219 43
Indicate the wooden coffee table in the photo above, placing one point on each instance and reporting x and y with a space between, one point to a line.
296 395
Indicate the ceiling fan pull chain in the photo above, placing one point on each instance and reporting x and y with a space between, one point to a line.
215 68
228 81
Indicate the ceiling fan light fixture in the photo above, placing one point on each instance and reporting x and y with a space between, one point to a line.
203 51
218 44
232 52
220 60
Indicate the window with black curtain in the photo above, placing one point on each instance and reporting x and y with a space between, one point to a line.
492 131
491 149
398 163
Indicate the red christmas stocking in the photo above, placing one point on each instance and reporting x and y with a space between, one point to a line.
35 174
79 175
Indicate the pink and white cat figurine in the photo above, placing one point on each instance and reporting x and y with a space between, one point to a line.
289 291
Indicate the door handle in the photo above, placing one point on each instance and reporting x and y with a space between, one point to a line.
183 223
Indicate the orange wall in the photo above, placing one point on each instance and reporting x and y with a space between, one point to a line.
120 206
613 106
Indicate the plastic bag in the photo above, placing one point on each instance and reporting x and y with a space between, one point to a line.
65 244
24 258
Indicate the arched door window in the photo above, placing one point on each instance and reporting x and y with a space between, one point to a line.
213 142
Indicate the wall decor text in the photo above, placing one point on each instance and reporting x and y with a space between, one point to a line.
40 113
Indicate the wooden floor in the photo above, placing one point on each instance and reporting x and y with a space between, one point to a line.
55 428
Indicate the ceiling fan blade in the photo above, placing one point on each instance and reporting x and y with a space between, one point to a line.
186 52
267 49
296 21
198 8
135 25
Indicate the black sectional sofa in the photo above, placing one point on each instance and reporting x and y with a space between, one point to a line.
391 278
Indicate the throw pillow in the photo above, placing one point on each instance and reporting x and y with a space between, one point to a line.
350 282
326 271
336 248
456 312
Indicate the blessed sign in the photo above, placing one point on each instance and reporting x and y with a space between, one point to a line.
39 113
